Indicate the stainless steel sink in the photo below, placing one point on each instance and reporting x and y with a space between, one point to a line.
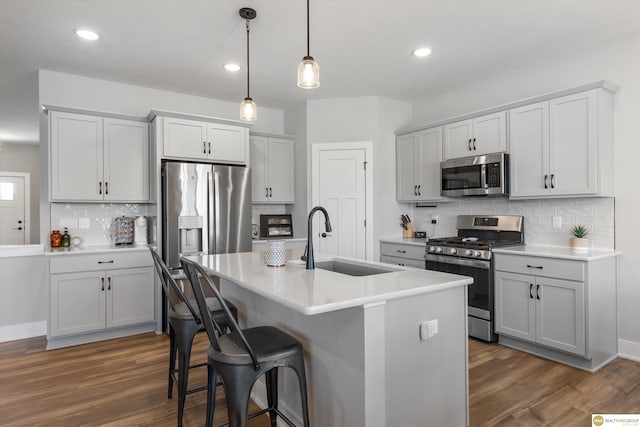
353 269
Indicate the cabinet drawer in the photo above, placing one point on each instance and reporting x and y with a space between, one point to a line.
562 269
403 261
101 261
402 251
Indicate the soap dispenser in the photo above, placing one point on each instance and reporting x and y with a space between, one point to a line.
66 239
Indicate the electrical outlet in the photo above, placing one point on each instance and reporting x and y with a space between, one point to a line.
557 222
434 219
428 329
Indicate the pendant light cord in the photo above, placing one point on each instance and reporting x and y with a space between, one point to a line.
247 24
308 50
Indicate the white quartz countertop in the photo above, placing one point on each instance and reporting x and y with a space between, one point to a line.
405 241
78 250
557 252
320 291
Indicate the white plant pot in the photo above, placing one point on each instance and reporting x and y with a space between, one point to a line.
580 244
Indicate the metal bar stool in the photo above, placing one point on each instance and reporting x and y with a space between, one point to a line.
184 323
242 356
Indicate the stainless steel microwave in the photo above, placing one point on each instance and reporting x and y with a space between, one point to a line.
475 176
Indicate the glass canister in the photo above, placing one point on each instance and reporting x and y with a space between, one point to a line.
66 238
56 239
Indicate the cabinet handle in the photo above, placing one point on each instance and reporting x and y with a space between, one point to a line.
102 280
106 188
553 184
469 144
531 290
420 190
474 144
546 177
415 190
99 187
401 251
19 228
105 262
209 147
266 191
204 147
539 267
109 280
270 192
537 291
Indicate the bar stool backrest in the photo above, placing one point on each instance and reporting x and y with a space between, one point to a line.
196 275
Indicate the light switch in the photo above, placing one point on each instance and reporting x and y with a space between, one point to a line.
557 222
70 223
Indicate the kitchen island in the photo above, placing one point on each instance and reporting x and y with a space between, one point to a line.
366 362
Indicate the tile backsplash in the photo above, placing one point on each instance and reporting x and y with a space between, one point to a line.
597 214
98 218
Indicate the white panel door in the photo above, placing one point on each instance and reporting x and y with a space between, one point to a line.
76 157
572 128
529 143
406 162
489 134
429 158
457 139
126 160
130 296
259 165
281 171
13 209
515 305
77 303
228 143
341 190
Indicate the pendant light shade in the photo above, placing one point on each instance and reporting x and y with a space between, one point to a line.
308 69
248 109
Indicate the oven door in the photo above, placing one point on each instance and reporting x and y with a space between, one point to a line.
480 300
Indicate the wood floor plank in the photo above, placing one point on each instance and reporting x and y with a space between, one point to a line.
123 382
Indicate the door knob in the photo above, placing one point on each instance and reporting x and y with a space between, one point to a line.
324 235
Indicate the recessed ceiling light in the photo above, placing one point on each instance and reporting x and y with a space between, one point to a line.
232 67
83 33
422 52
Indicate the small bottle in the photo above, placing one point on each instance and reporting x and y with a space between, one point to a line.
56 239
66 239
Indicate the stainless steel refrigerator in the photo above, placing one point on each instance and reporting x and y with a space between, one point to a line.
206 210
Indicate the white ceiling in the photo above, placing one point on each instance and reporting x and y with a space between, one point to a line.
363 46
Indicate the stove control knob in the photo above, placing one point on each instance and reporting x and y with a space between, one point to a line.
468 252
432 248
438 250
477 253
453 251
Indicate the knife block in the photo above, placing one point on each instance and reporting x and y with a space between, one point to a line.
410 231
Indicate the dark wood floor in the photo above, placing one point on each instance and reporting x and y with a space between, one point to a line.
123 383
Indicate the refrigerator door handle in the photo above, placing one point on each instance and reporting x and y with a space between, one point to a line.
211 208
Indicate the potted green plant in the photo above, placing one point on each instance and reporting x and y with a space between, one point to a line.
579 240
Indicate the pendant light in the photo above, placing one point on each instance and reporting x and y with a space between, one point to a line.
308 69
248 111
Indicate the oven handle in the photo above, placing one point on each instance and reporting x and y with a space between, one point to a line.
483 264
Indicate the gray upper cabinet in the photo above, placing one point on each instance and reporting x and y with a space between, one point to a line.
418 157
96 158
563 147
477 136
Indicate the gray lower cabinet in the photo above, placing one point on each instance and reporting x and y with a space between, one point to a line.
557 308
404 254
94 297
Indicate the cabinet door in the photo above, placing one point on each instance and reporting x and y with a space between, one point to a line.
228 143
458 140
529 144
77 303
515 305
185 138
76 156
572 127
406 173
259 161
280 171
403 261
126 160
489 134
130 296
428 160
560 317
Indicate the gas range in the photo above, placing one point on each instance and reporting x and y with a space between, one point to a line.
478 235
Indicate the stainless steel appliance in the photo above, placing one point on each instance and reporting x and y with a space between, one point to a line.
206 210
475 176
469 254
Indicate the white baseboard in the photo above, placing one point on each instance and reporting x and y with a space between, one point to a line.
629 350
22 331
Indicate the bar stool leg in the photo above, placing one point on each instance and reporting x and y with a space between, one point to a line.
173 347
271 378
